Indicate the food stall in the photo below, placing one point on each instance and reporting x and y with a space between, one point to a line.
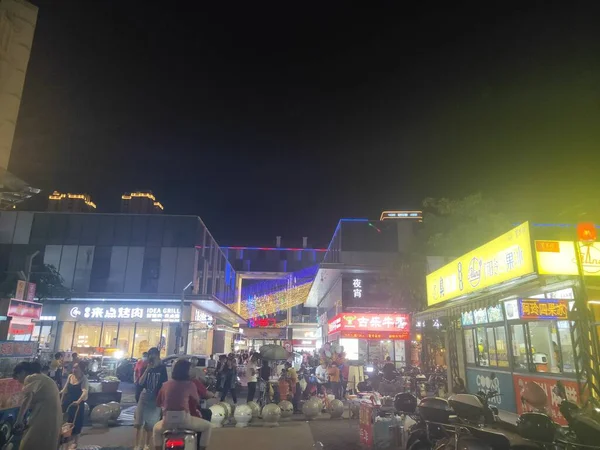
511 309
12 353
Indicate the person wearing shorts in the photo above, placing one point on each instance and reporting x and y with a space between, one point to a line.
147 413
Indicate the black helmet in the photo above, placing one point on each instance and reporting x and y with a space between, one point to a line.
536 426
405 403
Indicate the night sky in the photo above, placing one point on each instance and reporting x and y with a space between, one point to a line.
278 119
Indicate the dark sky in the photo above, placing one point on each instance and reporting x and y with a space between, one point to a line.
278 119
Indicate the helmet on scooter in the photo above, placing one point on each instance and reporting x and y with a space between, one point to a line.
536 426
405 403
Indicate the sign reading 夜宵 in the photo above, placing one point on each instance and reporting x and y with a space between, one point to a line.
507 257
558 258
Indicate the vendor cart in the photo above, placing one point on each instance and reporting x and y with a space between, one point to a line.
379 426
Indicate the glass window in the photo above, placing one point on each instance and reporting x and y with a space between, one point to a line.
567 354
197 340
66 336
545 351
491 347
150 270
520 360
87 334
482 347
100 269
125 342
146 336
470 346
501 346
109 335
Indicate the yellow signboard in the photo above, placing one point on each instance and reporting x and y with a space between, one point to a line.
505 258
558 258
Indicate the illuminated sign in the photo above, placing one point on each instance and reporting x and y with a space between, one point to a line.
558 258
543 308
357 288
154 314
414 215
262 323
380 335
505 258
24 310
389 323
304 342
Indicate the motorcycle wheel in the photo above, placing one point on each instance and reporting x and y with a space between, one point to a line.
419 445
5 432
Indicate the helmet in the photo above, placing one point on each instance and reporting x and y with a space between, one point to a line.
405 403
536 426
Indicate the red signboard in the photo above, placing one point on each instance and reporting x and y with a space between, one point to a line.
25 310
398 324
380 335
365 416
547 384
262 323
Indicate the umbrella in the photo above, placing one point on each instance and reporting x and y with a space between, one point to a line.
272 352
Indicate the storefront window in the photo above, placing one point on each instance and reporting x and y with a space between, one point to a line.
470 346
42 335
567 354
125 342
482 347
501 346
66 336
109 335
197 340
491 340
545 350
519 347
87 334
146 336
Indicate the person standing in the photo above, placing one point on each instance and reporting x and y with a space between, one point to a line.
74 394
334 379
322 376
138 371
212 362
229 379
147 413
252 377
56 369
41 396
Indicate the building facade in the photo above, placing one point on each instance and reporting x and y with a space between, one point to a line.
133 278
354 290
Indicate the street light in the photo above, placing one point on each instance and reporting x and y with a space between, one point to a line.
179 333
28 264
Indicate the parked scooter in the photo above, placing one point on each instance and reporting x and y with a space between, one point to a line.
584 423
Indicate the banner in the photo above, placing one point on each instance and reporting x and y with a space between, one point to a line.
366 424
25 310
548 385
10 394
18 349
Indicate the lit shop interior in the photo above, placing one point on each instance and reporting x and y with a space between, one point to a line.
372 337
125 331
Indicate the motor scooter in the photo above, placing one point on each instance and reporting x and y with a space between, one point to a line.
176 438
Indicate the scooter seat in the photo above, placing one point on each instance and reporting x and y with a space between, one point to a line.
179 431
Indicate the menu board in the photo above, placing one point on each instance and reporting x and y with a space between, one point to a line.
480 316
467 318
494 314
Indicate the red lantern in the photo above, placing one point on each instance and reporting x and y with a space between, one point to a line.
586 231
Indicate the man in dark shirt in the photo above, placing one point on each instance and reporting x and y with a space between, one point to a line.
389 369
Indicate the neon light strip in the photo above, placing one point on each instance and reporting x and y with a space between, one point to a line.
278 248
557 225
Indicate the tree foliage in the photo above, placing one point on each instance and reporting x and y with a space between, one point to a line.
49 283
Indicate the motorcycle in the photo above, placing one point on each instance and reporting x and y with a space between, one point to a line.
179 438
584 423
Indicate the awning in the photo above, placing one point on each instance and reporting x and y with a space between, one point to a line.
455 308
218 310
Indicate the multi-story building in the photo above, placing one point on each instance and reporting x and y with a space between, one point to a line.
133 278
141 202
354 288
75 203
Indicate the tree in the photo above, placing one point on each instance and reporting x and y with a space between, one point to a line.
454 227
49 283
450 228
